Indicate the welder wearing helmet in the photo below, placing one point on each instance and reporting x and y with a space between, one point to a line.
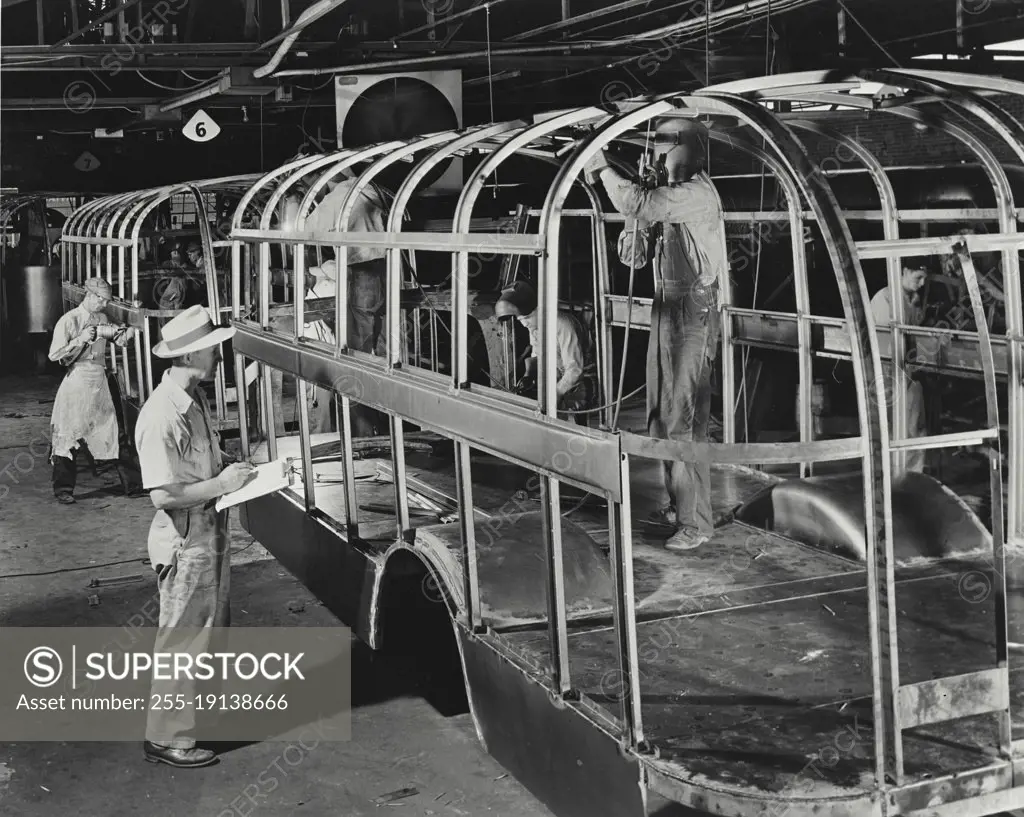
83 411
576 369
689 262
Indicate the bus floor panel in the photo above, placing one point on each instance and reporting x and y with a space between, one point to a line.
777 693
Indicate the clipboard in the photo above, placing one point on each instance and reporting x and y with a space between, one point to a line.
270 478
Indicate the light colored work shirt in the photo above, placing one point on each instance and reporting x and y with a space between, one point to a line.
881 309
368 214
69 327
570 353
177 444
691 213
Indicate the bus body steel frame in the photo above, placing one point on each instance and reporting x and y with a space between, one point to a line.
599 461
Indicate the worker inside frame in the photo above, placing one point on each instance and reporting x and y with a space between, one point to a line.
367 293
679 216
576 387
913 278
84 417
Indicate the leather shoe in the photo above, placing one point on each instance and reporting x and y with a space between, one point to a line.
180 758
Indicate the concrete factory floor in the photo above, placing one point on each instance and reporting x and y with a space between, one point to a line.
398 740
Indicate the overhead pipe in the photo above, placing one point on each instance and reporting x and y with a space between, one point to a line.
741 11
447 58
695 29
696 25
449 18
310 15
579 18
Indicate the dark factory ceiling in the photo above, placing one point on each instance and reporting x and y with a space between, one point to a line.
63 66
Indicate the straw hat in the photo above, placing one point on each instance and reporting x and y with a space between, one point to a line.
190 331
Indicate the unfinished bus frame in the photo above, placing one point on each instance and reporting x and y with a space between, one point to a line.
103 239
558 695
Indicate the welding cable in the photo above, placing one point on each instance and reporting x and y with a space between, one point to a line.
644 160
616 402
140 559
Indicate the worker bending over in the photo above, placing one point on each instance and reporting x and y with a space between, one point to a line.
689 261
577 371
912 279
83 411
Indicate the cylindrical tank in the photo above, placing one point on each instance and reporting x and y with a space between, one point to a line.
34 298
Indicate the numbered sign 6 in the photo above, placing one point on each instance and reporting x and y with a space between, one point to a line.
201 127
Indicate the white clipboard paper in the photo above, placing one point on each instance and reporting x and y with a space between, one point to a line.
270 478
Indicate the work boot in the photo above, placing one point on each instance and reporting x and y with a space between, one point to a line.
686 538
179 758
64 478
129 485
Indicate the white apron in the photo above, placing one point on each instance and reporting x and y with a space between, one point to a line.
84 410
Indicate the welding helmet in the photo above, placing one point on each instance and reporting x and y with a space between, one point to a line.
679 146
518 300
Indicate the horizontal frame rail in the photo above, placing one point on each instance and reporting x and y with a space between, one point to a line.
584 457
97 240
954 440
510 243
939 245
743 453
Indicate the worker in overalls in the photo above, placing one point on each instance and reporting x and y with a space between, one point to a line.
689 261
913 277
183 469
576 369
83 411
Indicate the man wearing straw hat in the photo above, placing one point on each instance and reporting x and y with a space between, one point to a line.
83 411
688 264
182 468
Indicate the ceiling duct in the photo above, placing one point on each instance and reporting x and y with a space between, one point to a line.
373 108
